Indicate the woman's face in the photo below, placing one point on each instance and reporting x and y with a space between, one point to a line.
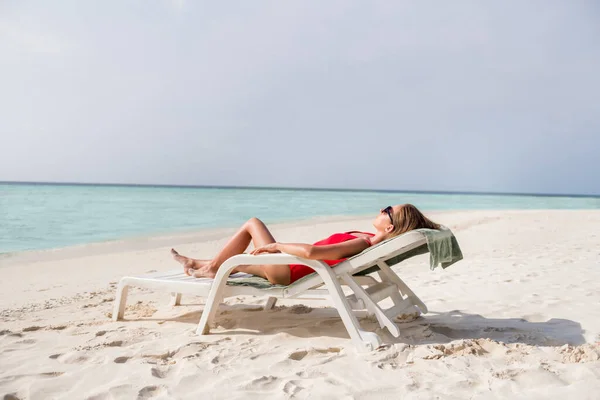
384 220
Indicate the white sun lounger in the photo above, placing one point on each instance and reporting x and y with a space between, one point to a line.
326 283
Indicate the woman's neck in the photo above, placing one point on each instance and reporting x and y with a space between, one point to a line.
379 237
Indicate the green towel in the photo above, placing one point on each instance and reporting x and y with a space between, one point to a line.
254 281
441 244
443 247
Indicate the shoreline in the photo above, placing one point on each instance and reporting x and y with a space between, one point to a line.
36 219
134 243
145 242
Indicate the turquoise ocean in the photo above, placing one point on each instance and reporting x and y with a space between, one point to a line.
43 216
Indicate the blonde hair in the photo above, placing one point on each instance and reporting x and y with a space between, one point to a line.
409 218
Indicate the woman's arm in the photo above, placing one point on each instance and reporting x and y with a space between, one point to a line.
312 252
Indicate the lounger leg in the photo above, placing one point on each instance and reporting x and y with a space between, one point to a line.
120 301
372 306
271 301
391 276
175 299
212 304
363 340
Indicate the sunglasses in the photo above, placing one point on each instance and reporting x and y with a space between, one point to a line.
388 210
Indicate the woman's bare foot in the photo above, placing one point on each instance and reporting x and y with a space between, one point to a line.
204 272
178 257
188 263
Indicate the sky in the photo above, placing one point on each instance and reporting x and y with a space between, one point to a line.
403 95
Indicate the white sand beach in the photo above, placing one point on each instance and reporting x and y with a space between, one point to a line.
518 318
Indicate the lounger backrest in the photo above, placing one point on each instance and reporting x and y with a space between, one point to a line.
393 250
422 249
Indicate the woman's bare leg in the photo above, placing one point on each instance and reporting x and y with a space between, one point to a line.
276 274
255 231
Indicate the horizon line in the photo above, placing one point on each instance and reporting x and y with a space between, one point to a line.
159 185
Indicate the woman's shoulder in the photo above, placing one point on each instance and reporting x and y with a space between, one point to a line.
360 233
340 237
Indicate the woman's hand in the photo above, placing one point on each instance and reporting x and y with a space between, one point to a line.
268 248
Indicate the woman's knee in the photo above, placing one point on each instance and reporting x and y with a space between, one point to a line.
277 280
277 274
253 224
254 221
259 232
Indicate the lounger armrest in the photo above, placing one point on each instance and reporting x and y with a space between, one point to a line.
271 258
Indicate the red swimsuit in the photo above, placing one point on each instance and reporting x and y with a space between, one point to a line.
297 271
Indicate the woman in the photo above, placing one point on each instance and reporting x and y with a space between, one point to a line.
391 221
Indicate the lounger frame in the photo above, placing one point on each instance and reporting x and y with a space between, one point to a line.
325 284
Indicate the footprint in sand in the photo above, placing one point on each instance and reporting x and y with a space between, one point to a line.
190 350
226 323
41 375
32 328
51 374
262 383
72 357
292 388
388 365
121 360
299 309
101 396
116 392
58 327
390 358
310 374
163 358
507 373
26 341
149 392
160 373
187 351
299 355
461 348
